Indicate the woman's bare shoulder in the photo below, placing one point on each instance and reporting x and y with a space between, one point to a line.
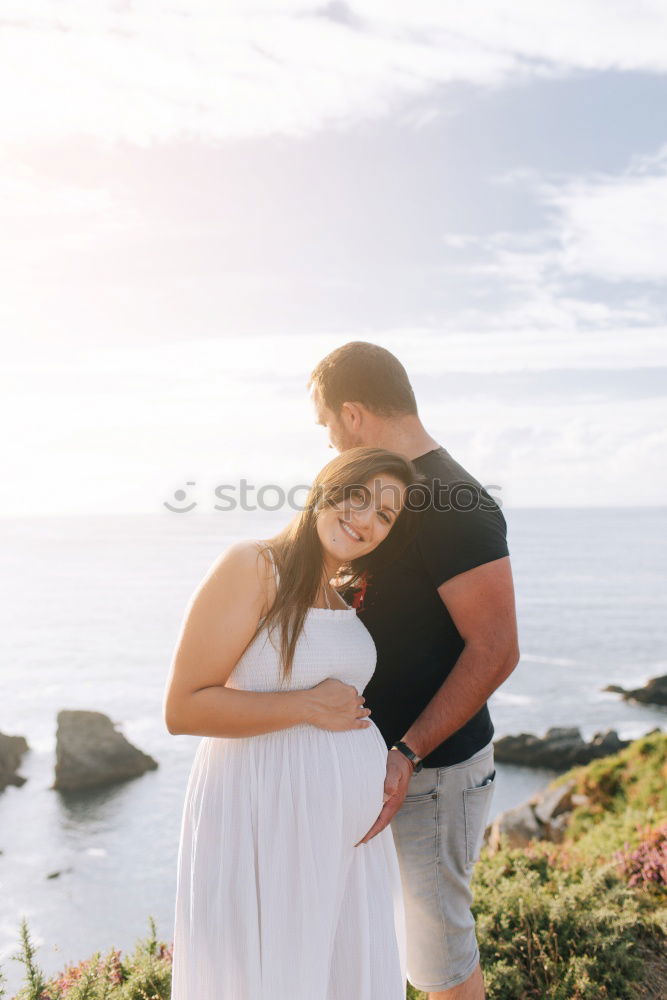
245 565
240 557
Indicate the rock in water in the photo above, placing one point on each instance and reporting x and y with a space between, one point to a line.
90 752
12 749
558 750
653 693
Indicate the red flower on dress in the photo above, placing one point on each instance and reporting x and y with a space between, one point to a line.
360 593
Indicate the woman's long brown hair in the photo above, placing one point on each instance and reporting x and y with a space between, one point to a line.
297 550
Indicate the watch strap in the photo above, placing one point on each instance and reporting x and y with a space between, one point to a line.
410 754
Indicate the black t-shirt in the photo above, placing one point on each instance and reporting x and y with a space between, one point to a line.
417 642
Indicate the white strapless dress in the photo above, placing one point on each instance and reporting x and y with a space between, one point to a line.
273 900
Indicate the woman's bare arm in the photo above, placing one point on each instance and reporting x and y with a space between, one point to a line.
219 622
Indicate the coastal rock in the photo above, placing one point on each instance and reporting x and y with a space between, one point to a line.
559 750
557 828
90 752
517 826
553 802
544 817
653 693
12 749
607 743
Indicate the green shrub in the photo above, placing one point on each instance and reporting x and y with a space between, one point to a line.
626 792
562 922
552 933
35 983
148 970
414 994
144 975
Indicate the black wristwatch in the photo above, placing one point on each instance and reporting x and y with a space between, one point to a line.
416 761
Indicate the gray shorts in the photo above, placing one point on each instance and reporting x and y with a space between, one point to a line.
438 832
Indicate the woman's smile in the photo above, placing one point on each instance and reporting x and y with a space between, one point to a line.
348 529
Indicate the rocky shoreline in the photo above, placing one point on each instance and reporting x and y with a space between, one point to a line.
90 753
12 749
558 750
654 692
544 817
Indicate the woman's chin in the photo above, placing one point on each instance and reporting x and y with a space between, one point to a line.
341 552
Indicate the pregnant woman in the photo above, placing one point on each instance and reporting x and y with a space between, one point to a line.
274 899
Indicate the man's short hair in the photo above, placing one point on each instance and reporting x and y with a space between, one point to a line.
364 373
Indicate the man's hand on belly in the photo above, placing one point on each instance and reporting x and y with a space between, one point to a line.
399 772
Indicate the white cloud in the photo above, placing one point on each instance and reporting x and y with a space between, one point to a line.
591 34
120 428
604 228
145 72
597 453
92 259
615 228
41 216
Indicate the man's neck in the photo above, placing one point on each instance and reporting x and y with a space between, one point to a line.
407 436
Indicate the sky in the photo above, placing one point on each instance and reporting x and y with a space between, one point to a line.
198 201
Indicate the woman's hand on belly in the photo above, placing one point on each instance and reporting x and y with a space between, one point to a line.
335 706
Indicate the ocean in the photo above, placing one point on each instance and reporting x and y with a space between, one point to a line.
90 611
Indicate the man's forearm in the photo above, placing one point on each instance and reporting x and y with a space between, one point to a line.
475 676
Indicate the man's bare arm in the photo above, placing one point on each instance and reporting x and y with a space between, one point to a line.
481 604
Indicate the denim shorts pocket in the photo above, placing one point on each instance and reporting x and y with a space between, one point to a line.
476 806
415 799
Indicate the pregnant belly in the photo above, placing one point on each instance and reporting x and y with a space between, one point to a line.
336 780
361 757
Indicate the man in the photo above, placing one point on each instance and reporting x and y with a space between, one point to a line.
443 620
